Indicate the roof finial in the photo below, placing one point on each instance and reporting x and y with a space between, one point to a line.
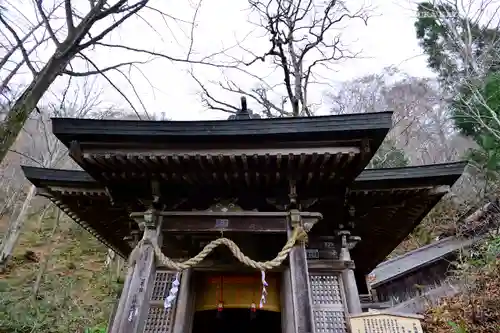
244 112
244 104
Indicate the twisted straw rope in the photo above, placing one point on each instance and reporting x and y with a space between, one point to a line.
298 235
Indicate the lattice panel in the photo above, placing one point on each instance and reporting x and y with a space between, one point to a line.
325 290
159 320
163 283
328 321
328 303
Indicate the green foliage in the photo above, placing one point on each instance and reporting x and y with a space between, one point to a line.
476 112
430 34
389 156
486 254
483 100
95 330
475 107
440 43
457 328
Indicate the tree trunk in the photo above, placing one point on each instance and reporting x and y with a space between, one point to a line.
110 258
14 229
10 204
26 103
46 259
42 217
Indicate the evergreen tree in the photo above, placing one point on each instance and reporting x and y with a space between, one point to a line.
465 55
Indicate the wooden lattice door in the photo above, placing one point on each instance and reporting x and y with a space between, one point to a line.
159 319
328 300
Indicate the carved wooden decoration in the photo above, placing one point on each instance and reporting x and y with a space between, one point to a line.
225 205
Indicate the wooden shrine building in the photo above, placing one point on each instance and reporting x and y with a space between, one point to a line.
299 221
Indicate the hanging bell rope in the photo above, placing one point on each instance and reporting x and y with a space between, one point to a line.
298 235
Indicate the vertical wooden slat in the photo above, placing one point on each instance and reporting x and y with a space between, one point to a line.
182 314
351 291
301 289
144 267
137 304
147 282
349 280
120 313
287 323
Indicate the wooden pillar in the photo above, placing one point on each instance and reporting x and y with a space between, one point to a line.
119 313
348 278
299 278
287 323
183 308
133 313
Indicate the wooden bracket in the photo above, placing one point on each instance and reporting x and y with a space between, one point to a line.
75 152
150 219
292 195
295 218
365 149
108 193
156 192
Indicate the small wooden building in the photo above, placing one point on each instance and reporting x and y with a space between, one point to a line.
416 279
408 283
169 188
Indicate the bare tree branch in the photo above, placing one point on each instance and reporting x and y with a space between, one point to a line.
81 36
114 86
46 22
69 17
302 37
19 44
103 70
14 48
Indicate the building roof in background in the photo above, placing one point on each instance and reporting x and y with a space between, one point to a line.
413 260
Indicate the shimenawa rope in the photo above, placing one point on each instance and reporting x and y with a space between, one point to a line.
298 235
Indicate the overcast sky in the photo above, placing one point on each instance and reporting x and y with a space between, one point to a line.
387 40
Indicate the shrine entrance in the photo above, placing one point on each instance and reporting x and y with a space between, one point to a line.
230 302
237 320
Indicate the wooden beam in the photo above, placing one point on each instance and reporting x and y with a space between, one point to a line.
329 265
214 265
236 224
303 215
244 221
192 152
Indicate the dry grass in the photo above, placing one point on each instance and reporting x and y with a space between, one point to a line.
76 291
477 308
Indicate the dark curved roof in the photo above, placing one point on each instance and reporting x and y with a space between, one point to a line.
330 128
228 158
386 211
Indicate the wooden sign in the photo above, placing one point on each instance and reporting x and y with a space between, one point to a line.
221 223
312 254
381 322
319 249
